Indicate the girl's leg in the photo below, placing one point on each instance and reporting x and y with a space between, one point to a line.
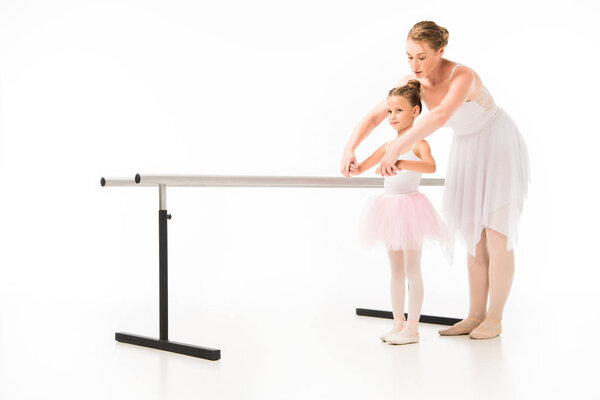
501 272
412 260
410 334
397 288
478 267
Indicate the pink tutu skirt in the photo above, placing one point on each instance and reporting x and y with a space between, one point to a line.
403 222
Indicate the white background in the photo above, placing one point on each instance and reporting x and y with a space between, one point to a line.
113 88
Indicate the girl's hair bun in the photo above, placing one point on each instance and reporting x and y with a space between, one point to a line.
415 84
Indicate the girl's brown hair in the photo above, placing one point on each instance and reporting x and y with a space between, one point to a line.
411 91
431 33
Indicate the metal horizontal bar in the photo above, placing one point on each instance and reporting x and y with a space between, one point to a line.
267 181
121 182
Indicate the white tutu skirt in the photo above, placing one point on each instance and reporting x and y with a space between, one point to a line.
486 182
402 222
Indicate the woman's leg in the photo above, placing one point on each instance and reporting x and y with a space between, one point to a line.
479 279
478 267
412 262
397 288
501 272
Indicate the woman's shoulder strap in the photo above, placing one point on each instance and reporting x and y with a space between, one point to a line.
454 69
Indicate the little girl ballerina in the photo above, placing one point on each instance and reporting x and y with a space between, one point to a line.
402 218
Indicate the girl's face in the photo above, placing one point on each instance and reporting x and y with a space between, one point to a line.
400 113
421 58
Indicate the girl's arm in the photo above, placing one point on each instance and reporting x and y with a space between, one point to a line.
427 165
369 162
461 85
364 128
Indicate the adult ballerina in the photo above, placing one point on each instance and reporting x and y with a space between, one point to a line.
487 175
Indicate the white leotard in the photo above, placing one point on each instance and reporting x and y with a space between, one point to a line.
405 181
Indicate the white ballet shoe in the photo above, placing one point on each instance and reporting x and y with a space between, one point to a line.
393 331
396 329
403 337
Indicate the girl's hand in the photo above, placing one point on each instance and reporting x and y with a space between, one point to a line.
348 159
355 170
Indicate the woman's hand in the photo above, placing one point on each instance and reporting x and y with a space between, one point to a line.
387 166
348 162
378 170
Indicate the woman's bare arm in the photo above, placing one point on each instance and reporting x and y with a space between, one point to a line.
461 85
364 129
367 124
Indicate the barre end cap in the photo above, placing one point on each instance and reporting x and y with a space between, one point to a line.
102 181
138 178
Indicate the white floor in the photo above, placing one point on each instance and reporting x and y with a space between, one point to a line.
278 351
284 332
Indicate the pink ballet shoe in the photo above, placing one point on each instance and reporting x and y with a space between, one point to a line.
461 328
488 329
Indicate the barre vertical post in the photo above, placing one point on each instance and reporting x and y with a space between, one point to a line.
163 263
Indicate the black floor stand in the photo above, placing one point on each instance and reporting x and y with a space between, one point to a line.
428 319
163 343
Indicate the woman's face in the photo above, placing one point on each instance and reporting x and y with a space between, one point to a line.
400 114
422 58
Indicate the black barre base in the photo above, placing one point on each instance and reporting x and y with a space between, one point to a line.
167 345
428 319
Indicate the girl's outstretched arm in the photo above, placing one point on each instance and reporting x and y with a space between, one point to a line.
461 85
370 162
427 165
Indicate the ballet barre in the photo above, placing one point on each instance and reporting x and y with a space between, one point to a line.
164 181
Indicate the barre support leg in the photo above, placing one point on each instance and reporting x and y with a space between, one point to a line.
163 342
428 319
166 345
